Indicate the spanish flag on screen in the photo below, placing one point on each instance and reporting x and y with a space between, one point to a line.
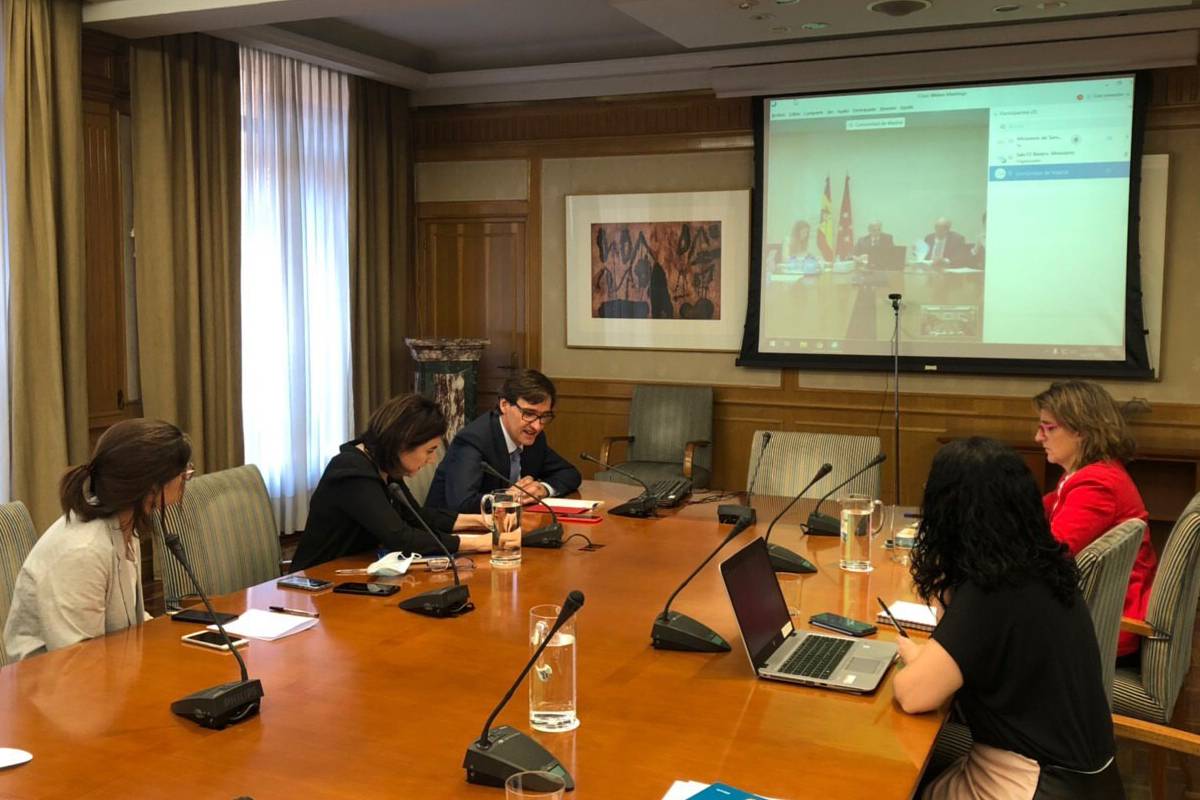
825 226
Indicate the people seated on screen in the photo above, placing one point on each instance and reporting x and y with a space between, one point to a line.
872 242
512 439
1083 431
353 509
1015 645
83 577
796 255
945 247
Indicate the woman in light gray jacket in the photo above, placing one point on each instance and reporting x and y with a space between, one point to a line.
83 577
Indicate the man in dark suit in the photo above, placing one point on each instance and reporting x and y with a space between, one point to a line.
946 248
511 438
875 238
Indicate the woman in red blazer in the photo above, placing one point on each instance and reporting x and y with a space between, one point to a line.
1083 431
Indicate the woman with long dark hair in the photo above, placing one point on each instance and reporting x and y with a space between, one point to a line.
1015 645
353 509
82 579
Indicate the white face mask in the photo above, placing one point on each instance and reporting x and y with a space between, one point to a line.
390 566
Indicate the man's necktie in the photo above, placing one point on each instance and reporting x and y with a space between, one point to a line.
514 465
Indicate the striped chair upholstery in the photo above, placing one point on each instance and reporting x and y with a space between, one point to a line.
793 458
1104 568
228 531
1150 693
17 536
662 420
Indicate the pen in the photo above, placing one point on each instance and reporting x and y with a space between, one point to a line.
299 612
888 611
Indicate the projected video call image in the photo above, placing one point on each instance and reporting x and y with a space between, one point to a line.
1000 213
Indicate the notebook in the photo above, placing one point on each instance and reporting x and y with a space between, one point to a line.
916 616
566 505
266 626
778 651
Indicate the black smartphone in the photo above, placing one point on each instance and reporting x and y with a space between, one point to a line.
835 622
301 582
380 589
201 617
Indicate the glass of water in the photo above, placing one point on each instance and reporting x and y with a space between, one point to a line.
534 785
858 529
502 514
552 680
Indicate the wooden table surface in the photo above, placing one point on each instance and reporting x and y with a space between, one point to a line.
375 701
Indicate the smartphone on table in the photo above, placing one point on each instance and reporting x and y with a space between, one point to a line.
375 589
303 583
836 622
213 640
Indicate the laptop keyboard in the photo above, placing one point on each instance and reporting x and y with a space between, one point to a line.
816 657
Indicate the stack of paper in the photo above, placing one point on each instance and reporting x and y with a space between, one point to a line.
266 626
911 615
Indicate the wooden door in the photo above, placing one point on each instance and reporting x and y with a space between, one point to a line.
472 282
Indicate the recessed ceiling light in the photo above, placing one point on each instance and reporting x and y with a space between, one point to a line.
746 5
1053 5
761 17
898 8
781 29
815 26
786 2
1007 7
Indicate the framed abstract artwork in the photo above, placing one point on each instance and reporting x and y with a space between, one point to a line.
664 271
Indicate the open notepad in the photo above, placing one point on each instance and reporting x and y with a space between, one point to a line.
267 626
910 615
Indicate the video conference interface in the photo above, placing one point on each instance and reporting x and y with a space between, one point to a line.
1000 213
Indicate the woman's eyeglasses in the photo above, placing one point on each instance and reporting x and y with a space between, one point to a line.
1046 428
441 563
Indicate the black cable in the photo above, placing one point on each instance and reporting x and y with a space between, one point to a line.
581 536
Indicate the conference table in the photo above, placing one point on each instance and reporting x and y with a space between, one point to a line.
375 701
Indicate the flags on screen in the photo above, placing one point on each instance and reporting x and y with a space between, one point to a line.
825 226
845 238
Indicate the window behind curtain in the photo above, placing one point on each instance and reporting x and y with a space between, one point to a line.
296 373
5 450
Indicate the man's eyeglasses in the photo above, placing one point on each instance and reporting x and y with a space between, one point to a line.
528 415
1047 428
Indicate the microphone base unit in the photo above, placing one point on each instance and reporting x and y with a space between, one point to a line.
639 508
823 525
221 705
731 515
446 601
675 631
784 560
549 536
508 752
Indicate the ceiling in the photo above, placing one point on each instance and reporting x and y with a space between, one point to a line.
448 44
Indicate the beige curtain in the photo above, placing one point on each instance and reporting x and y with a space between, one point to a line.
379 255
43 118
187 229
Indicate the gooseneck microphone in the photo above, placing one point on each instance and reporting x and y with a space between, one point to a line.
782 559
824 525
504 751
226 703
732 513
445 601
546 536
644 505
675 631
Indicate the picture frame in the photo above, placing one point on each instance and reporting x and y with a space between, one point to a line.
660 271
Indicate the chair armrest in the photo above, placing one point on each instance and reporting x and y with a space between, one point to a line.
1140 628
1152 733
689 455
608 442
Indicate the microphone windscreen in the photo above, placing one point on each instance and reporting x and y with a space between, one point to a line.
574 601
825 469
879 459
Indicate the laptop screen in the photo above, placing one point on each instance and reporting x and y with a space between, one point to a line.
758 604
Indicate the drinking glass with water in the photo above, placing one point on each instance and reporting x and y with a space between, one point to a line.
502 514
858 529
552 680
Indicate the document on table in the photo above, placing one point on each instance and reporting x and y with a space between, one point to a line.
266 626
567 505
685 790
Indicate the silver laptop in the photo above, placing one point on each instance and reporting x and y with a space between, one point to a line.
777 650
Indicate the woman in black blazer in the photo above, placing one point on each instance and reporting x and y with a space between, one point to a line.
355 507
